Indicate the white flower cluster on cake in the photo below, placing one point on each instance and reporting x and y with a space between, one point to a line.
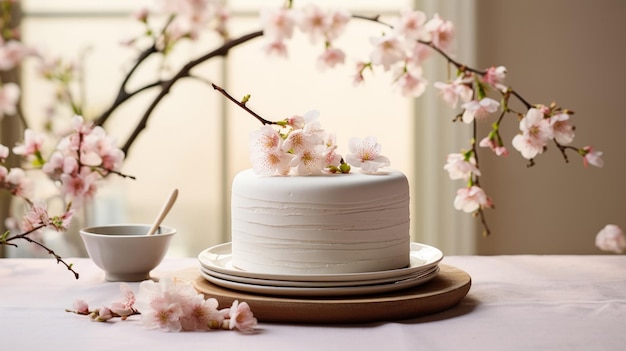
298 145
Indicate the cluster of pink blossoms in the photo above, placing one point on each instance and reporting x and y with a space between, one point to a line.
189 18
172 306
400 50
300 146
81 159
539 126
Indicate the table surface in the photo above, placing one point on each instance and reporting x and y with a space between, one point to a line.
520 302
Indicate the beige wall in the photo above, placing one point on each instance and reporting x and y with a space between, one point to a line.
571 52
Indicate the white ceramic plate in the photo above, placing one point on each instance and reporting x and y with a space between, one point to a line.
314 284
327 291
219 259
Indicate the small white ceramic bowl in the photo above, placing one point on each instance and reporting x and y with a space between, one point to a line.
124 252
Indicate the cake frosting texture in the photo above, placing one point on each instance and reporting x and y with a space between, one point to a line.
340 223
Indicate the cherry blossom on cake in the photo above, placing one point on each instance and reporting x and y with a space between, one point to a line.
366 154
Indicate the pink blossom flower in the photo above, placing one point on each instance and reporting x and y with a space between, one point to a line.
80 186
562 129
611 238
366 154
33 141
81 307
411 83
330 58
102 314
460 167
495 76
277 24
536 131
265 138
125 306
358 76
337 22
418 54
471 198
331 157
592 157
19 184
270 162
314 21
4 152
452 92
36 216
276 48
410 24
241 317
9 96
308 160
296 122
173 306
201 314
491 143
300 140
441 32
388 50
62 223
192 17
12 53
479 109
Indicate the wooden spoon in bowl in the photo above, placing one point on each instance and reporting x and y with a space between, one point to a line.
166 208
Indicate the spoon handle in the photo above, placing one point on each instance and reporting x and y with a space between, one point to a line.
166 208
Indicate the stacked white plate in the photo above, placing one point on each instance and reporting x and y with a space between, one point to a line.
216 267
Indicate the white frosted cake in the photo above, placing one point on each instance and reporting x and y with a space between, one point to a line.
339 223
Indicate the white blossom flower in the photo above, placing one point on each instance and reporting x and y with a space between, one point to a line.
592 157
410 24
536 131
388 50
563 130
479 109
611 238
470 199
9 96
366 154
453 92
459 167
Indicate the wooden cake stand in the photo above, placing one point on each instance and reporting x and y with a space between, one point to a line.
444 291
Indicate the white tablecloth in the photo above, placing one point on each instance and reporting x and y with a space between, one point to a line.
515 303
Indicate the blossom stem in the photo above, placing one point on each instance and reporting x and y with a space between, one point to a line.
184 72
483 221
24 236
242 105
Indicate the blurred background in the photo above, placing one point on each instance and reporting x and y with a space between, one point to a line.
567 51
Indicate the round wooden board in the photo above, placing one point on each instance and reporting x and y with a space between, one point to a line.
446 290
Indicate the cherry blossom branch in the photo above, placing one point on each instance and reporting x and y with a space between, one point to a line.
242 104
166 85
6 240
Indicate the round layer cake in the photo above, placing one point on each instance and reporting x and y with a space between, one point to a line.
327 224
